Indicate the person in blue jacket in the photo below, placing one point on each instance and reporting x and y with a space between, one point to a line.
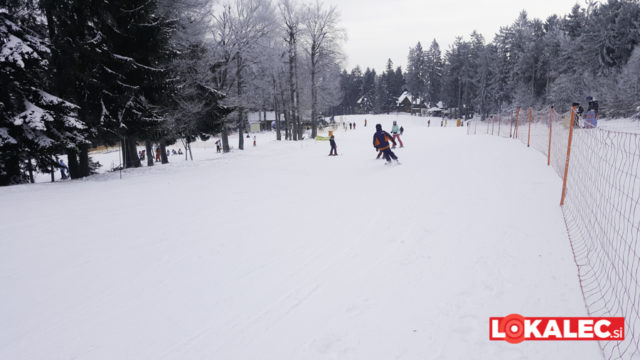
381 142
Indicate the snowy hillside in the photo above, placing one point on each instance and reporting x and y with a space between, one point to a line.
282 252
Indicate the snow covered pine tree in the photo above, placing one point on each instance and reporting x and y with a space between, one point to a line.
34 125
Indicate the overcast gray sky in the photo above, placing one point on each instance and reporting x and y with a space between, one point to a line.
381 29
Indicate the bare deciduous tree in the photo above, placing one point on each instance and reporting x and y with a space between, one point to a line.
322 37
291 17
240 31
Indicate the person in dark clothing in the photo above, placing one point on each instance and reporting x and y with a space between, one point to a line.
401 130
334 148
381 142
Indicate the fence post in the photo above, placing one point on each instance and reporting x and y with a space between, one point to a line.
517 116
550 130
566 164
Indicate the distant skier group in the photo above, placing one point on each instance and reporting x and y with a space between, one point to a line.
142 154
381 140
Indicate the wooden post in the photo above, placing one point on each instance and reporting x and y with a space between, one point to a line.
529 135
517 116
499 122
566 165
550 130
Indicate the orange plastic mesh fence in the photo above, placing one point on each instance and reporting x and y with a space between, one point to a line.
601 210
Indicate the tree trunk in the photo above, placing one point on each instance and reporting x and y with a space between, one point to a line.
277 112
293 81
189 148
131 153
240 130
314 94
185 145
240 110
298 116
30 170
149 149
163 152
285 111
225 138
72 163
84 161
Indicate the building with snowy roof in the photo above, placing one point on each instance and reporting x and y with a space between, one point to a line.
410 104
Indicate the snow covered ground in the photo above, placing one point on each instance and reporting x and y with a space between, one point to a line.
282 252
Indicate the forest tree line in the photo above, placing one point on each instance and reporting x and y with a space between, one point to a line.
76 74
592 51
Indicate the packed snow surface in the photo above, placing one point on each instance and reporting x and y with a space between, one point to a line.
282 252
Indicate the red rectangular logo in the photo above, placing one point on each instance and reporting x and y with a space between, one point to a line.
516 328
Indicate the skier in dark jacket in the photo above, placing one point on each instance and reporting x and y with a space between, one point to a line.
381 142
334 148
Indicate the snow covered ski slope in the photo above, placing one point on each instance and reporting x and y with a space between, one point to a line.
283 252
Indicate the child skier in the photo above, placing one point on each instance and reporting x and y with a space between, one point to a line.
395 131
401 131
381 142
334 148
